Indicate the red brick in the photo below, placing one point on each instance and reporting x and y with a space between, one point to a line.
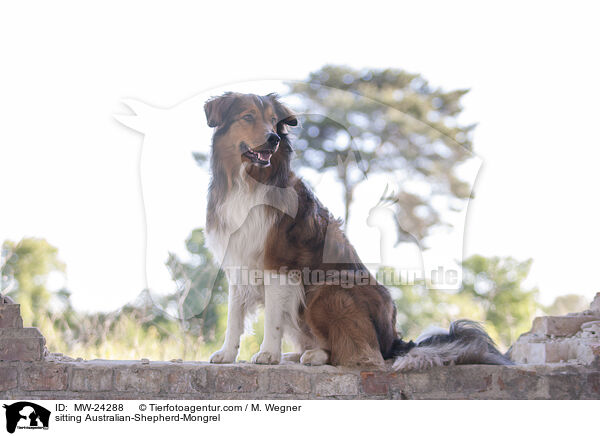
8 378
10 316
518 383
134 379
229 379
332 385
178 382
21 344
183 380
377 383
43 377
289 382
560 325
91 379
595 306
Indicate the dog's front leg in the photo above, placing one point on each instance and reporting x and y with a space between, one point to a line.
270 349
235 327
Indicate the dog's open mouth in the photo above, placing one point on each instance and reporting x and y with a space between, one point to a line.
259 157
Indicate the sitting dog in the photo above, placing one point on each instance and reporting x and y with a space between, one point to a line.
264 222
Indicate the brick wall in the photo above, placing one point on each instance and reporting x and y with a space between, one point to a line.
198 380
27 371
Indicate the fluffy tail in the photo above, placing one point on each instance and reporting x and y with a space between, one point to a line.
464 343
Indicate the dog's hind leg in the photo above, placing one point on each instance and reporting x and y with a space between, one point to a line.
299 335
315 357
351 344
344 331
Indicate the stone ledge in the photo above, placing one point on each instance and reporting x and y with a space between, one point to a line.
29 371
112 380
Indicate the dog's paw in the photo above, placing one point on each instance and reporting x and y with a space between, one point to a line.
223 356
315 357
266 358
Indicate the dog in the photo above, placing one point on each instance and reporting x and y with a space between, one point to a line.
263 219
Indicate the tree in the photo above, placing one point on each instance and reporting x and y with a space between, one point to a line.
570 303
200 287
492 292
26 267
419 307
497 284
385 121
7 279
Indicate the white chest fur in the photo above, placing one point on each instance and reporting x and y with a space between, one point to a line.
245 222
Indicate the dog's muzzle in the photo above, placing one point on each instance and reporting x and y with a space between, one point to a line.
262 155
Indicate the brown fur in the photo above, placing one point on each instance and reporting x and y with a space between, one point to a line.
355 325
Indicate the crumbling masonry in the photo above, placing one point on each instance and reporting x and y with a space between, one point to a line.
558 359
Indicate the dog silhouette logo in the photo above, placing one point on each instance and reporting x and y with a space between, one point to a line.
169 178
26 415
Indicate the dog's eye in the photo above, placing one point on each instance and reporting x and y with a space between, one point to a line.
274 120
248 118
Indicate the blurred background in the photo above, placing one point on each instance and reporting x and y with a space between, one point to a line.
499 115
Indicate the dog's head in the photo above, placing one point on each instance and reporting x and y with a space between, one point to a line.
249 128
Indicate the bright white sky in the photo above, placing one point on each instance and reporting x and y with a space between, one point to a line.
69 171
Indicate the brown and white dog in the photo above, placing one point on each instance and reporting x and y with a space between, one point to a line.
262 218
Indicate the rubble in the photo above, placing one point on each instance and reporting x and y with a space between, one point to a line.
573 338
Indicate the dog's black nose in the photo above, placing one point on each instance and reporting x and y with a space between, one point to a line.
273 139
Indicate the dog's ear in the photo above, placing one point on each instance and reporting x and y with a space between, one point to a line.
217 107
285 116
